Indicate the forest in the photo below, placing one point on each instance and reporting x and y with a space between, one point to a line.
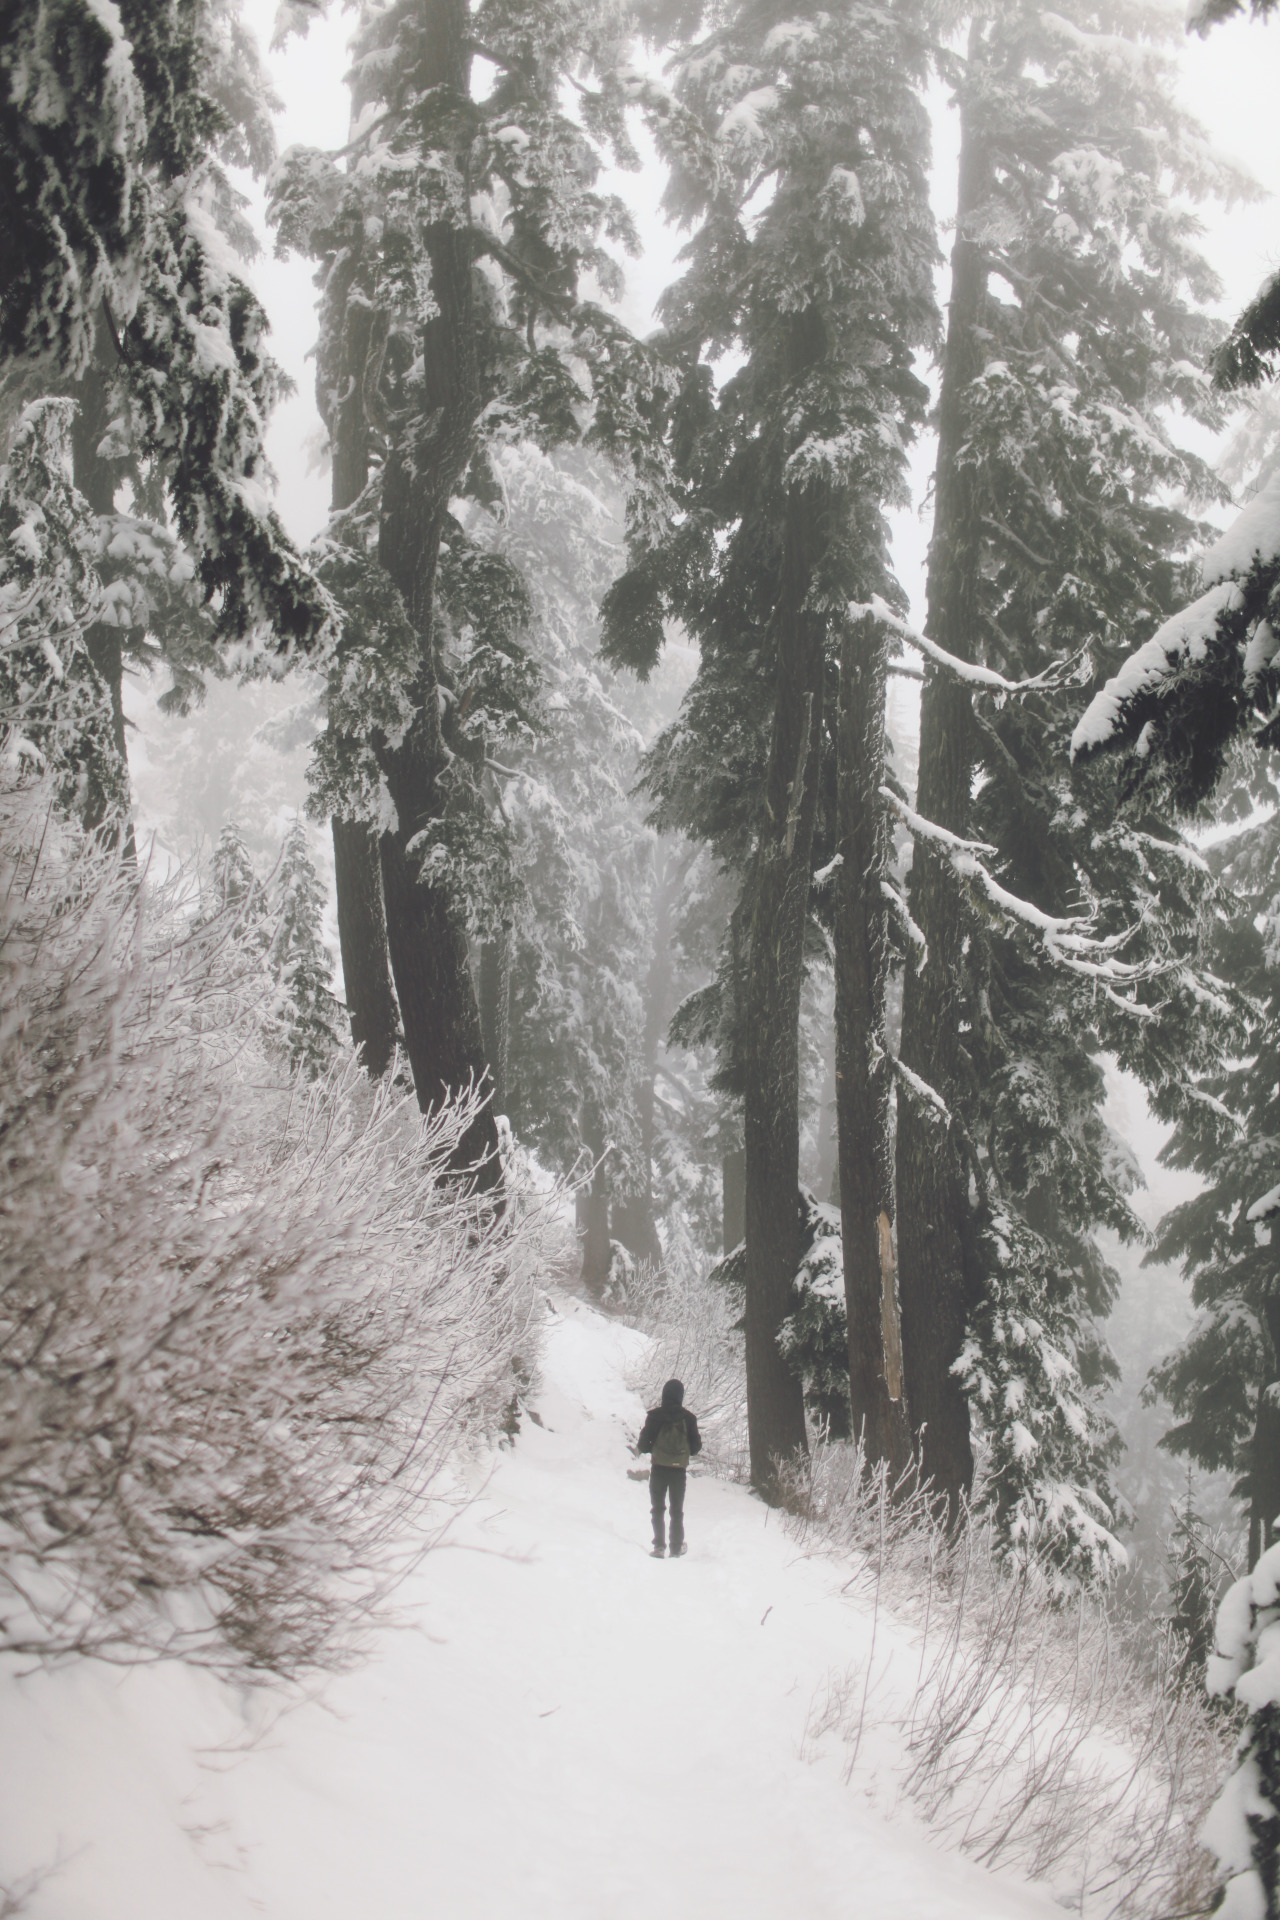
577 882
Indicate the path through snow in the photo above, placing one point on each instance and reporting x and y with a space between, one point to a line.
567 1730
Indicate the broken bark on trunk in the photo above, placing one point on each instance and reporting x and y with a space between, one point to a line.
362 938
863 1067
933 1282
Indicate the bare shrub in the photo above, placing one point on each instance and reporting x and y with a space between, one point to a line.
1039 1735
243 1319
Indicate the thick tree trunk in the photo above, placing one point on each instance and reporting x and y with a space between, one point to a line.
827 1180
774 975
863 1070
362 923
932 1194
1264 1465
438 1010
362 937
633 1218
733 1198
106 786
496 957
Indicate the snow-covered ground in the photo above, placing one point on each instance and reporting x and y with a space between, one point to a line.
565 1728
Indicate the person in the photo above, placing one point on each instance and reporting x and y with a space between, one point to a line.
670 1437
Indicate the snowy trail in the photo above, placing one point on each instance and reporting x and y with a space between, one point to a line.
569 1729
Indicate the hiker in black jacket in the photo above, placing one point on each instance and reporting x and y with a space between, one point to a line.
670 1436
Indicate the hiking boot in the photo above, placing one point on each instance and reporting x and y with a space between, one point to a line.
657 1553
676 1551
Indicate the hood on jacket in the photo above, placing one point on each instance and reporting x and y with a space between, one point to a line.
672 1396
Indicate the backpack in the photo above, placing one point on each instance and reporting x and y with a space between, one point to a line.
671 1448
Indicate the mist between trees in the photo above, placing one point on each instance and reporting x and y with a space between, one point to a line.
630 876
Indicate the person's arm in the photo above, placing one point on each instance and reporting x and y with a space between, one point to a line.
695 1438
648 1433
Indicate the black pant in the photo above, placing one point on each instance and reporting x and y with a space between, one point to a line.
664 1481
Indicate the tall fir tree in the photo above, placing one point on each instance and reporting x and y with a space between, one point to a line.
569 881
307 1012
1223 1382
119 291
1193 1582
55 709
1076 328
798 144
459 230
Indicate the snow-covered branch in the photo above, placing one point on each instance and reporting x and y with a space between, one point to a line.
966 670
1068 940
1181 641
920 1091
902 914
922 829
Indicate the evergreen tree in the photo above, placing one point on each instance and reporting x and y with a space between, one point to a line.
1243 1827
55 711
798 143
1192 1588
1074 328
567 871
1223 1382
459 231
237 889
116 126
299 961
279 921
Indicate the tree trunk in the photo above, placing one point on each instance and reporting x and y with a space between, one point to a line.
438 1010
1264 1465
424 469
733 1198
633 1218
863 1068
827 1179
932 1194
774 976
362 923
496 957
593 1208
362 937
106 786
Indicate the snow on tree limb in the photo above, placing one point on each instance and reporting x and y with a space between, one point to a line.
921 1091
967 670
1067 939
1252 539
1264 1208
924 829
902 913
1182 640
